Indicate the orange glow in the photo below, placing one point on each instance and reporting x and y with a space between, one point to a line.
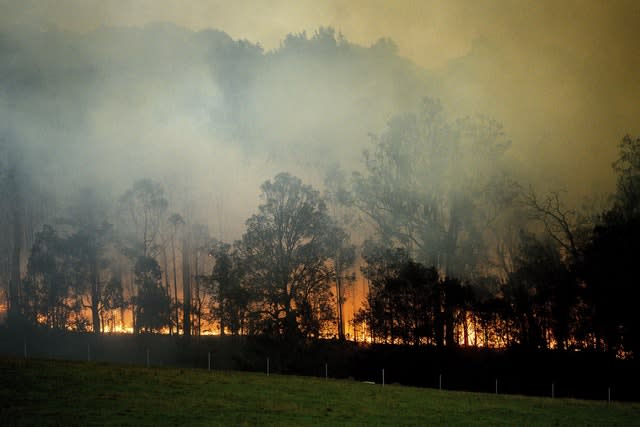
118 329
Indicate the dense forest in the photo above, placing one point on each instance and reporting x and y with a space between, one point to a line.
160 180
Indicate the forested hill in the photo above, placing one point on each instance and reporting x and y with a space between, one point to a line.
167 97
131 160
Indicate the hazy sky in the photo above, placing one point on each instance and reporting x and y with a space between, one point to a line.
429 32
562 76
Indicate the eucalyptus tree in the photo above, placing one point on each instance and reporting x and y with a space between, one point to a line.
142 212
541 292
91 249
51 294
197 245
342 262
13 186
153 306
288 247
610 267
176 221
345 256
230 296
87 248
409 302
428 186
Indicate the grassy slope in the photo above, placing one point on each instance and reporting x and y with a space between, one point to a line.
36 392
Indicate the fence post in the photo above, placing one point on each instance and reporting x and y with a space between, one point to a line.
267 366
382 377
209 361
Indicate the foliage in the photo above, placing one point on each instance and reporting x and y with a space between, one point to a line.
287 247
230 302
142 208
627 166
541 292
48 296
410 303
153 305
611 260
428 186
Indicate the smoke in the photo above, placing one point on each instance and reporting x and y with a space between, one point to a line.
209 117
96 95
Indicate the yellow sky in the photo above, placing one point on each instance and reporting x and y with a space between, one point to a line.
428 32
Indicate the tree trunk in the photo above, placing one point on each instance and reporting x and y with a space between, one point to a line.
167 285
175 283
339 292
198 305
186 290
14 275
95 296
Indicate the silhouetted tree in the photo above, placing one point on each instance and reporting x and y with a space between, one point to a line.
87 248
175 220
609 267
230 297
400 302
51 295
543 292
142 209
341 263
153 306
288 248
112 299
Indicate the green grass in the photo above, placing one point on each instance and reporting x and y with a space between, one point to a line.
42 392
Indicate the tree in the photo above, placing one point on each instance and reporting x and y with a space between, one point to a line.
428 186
87 247
542 291
89 241
142 211
345 257
12 218
406 300
342 261
610 263
567 227
287 247
230 297
112 301
153 306
627 166
51 295
195 246
176 221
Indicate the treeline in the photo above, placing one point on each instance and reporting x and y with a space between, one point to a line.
466 254
459 254
84 273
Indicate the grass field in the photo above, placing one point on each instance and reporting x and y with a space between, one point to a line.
45 392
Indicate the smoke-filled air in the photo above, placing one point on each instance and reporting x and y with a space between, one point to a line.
446 174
